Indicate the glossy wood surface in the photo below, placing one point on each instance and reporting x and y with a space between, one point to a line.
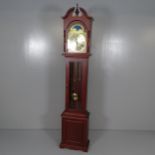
74 119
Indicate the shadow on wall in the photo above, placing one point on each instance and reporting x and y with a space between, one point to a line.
97 88
97 85
52 24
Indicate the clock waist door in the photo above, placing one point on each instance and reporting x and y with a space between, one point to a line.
76 80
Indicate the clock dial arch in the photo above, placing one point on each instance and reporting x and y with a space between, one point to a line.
76 38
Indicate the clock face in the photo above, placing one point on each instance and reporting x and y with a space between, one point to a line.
76 39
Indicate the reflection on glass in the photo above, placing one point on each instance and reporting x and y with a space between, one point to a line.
75 85
76 42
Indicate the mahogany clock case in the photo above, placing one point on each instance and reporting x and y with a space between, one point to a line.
75 116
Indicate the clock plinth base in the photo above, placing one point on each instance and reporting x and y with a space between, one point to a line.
73 147
75 131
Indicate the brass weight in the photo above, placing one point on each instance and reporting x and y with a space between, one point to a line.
75 96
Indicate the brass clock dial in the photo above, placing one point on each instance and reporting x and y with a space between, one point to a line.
76 41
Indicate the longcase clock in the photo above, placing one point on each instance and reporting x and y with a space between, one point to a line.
77 33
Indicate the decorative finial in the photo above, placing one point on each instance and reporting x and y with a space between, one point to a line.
77 11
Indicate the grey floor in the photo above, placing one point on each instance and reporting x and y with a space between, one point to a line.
45 142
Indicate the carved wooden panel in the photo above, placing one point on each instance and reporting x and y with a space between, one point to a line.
75 131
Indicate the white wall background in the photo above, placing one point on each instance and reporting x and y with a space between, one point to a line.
121 86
